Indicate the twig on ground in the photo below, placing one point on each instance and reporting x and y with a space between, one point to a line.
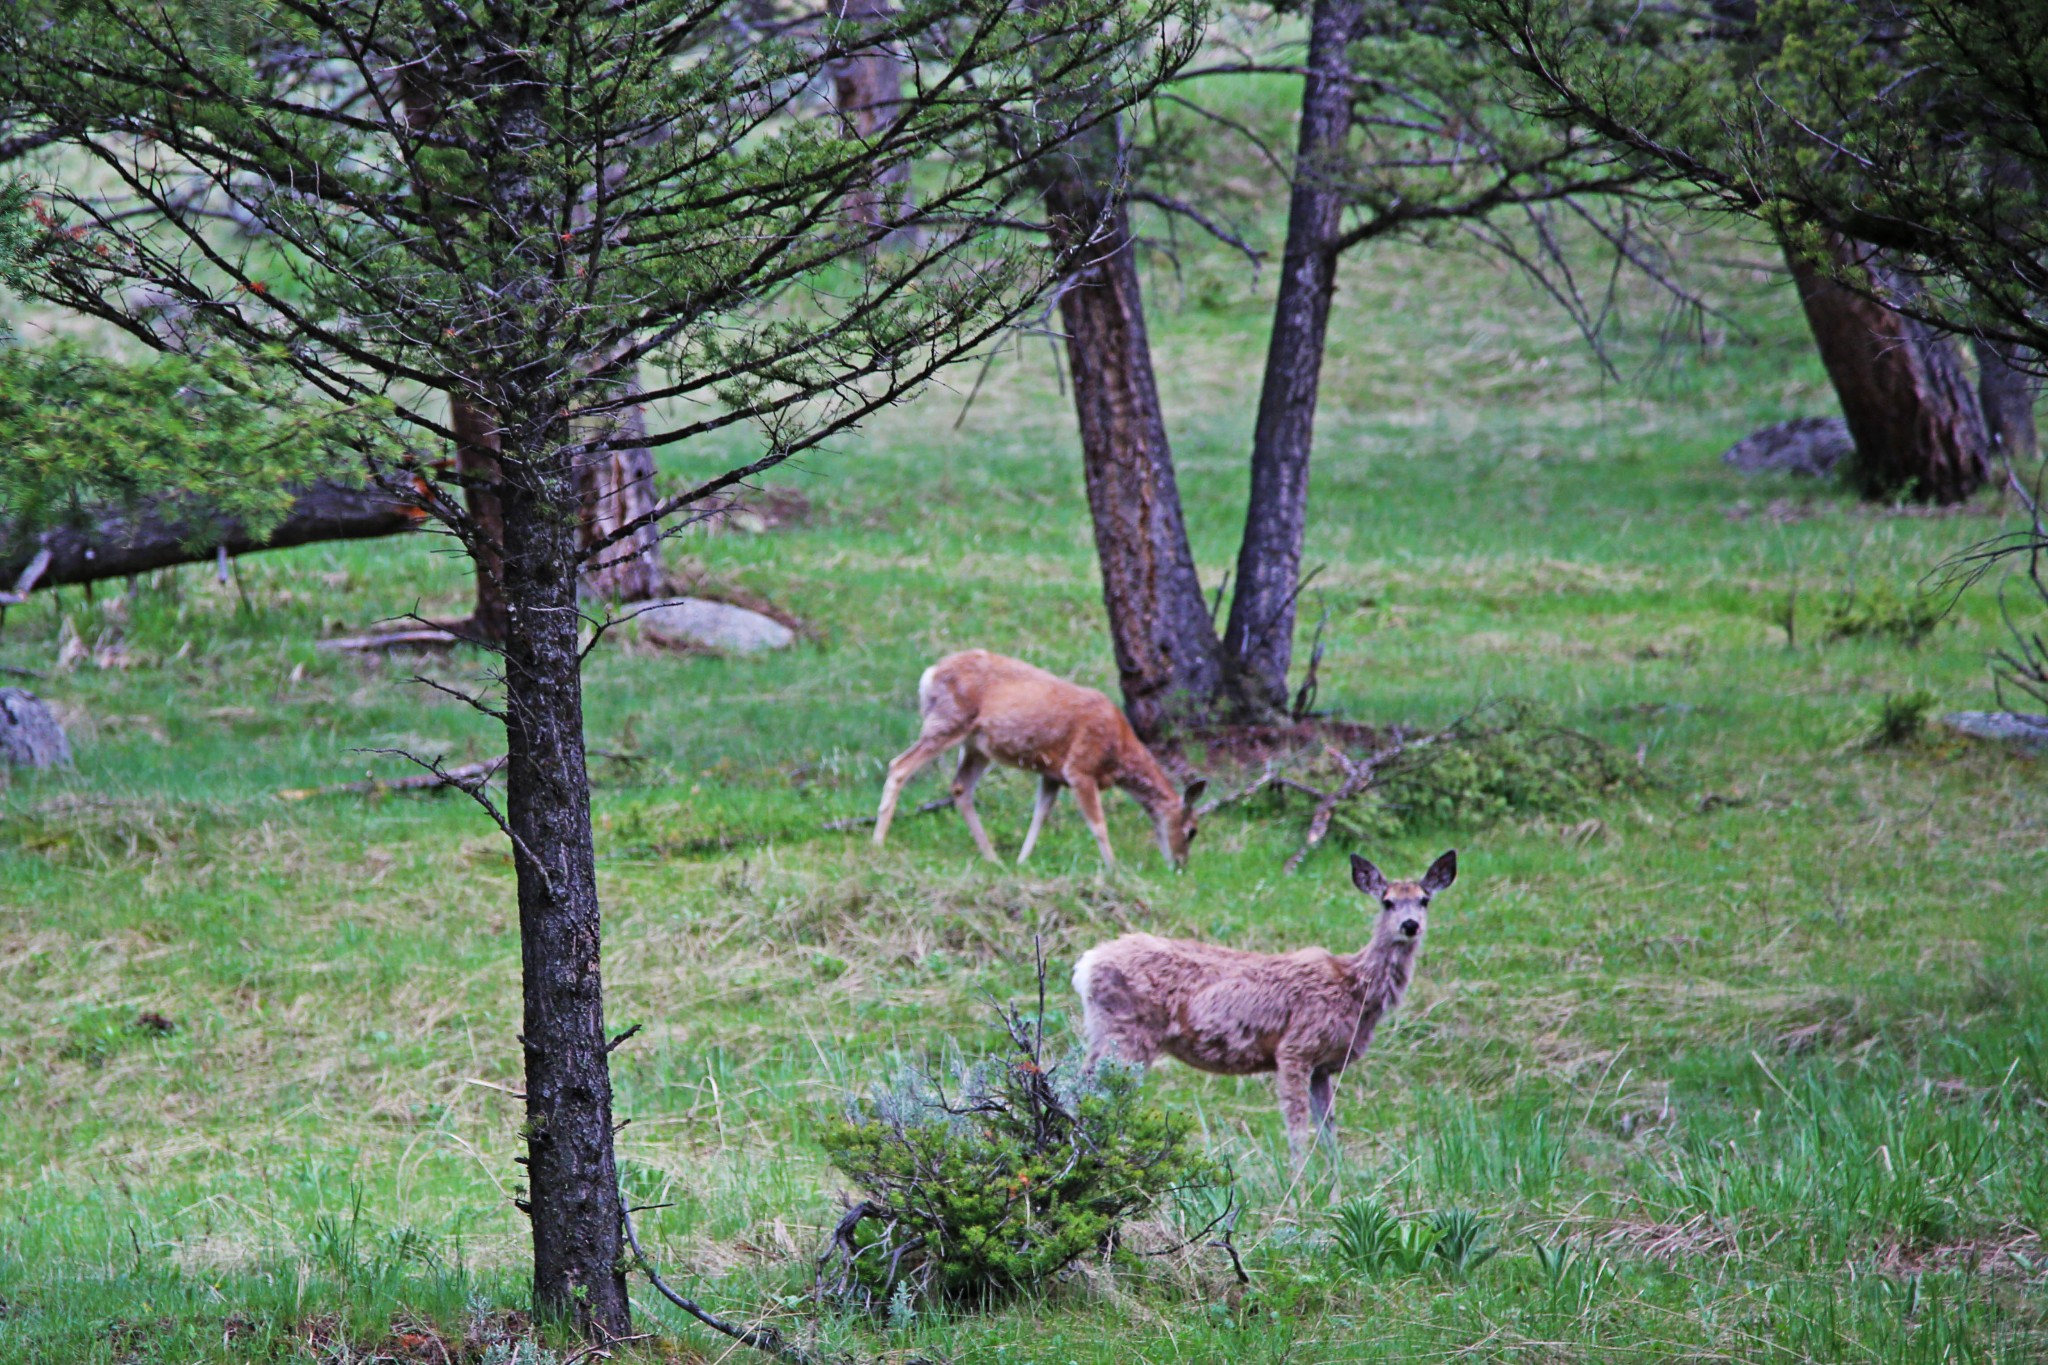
859 821
764 1339
432 780
430 638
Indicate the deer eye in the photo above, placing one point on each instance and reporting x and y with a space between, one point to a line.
1387 901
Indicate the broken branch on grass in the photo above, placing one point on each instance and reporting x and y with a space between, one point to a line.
432 780
856 822
764 1339
433 637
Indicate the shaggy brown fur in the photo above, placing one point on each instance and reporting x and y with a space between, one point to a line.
1305 1015
1001 710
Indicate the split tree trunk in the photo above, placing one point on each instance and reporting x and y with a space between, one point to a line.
572 1178
1909 407
2006 394
868 89
615 487
1258 642
1167 658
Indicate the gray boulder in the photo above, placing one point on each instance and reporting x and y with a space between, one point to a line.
1804 445
2007 727
697 623
30 736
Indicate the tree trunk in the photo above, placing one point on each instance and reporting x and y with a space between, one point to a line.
1258 642
1166 651
1909 407
868 89
476 463
574 1184
2006 394
615 487
123 543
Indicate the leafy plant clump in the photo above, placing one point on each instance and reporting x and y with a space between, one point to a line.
992 1180
1881 613
1476 774
1900 718
1373 1241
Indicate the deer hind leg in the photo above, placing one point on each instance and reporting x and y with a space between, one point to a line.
1088 797
905 766
1321 1103
973 763
1048 792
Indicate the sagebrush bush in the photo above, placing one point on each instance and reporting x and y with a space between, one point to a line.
1520 764
994 1179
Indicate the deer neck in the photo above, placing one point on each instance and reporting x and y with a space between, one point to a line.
1382 970
1140 774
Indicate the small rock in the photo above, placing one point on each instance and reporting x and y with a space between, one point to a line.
696 622
1804 445
2009 727
30 736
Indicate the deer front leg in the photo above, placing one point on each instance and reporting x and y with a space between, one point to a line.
1088 797
1293 1081
973 763
1048 792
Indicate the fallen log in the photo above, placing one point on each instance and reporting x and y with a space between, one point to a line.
123 543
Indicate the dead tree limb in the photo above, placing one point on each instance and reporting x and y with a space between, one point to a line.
463 778
931 807
764 1339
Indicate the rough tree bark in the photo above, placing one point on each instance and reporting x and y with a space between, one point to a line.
476 465
1167 658
617 487
1903 392
572 1177
123 543
1258 641
868 89
2006 394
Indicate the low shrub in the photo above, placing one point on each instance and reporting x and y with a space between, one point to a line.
1901 717
1512 762
1880 613
993 1178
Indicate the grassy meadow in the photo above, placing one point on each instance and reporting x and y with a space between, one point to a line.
1748 1061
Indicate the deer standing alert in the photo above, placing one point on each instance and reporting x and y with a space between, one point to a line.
1304 1015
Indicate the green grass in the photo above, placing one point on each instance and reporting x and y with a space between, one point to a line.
1755 1067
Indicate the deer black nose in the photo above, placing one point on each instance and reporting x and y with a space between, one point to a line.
1410 927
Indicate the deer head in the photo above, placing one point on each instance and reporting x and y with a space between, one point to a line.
1404 906
1176 822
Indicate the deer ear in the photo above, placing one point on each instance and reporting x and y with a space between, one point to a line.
1441 873
1194 791
1367 878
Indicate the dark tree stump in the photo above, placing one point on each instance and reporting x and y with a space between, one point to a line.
30 736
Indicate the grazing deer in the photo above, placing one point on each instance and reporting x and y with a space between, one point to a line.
1001 710
1305 1015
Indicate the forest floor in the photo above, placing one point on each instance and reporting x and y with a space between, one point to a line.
1746 1059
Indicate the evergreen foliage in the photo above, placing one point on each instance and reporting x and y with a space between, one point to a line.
221 438
991 1180
1912 125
